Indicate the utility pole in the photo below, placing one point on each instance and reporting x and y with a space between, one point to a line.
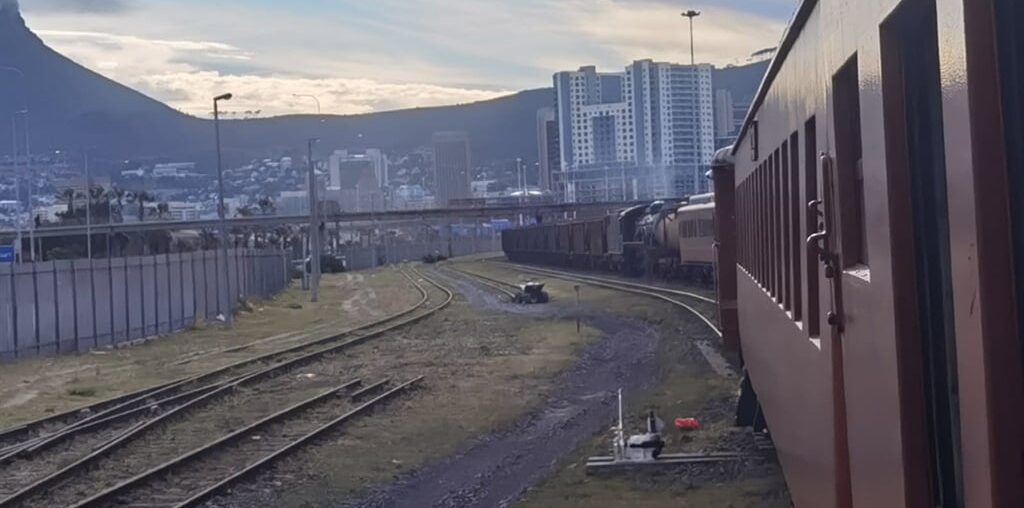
17 186
31 183
88 204
691 14
14 134
314 225
221 211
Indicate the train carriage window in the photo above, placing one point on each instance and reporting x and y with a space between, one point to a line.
787 283
766 239
776 215
794 226
849 165
811 225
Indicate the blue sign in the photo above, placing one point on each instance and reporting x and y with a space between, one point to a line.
6 253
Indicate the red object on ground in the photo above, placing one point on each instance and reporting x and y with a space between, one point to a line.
687 424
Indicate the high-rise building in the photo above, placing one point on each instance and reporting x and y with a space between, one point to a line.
452 169
547 150
645 133
342 159
358 180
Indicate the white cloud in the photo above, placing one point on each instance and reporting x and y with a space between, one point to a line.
191 92
391 54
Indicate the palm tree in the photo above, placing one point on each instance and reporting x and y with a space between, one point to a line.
140 198
68 195
266 205
117 195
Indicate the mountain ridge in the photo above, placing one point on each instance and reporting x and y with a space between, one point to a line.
74 108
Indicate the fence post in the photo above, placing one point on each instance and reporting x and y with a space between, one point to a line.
216 259
14 308
181 289
110 292
35 306
127 302
206 288
156 296
170 295
142 294
195 290
56 305
92 301
74 305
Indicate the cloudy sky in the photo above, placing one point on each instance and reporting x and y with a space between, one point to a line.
360 56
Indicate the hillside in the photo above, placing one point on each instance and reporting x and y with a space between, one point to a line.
73 107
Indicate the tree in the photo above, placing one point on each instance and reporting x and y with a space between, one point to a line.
140 198
267 206
117 195
68 195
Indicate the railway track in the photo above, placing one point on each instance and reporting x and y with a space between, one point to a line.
50 430
99 453
506 288
708 350
672 296
199 475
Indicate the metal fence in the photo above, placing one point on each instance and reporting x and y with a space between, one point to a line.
73 306
362 258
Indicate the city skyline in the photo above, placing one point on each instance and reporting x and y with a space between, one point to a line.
410 54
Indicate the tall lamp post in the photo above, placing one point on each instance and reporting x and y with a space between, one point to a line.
221 211
691 14
28 156
314 212
314 226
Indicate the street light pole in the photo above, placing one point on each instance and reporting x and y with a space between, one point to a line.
221 211
314 226
88 204
14 135
17 185
691 14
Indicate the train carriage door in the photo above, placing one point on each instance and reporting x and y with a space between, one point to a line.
921 263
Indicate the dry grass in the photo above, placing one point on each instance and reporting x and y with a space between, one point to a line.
483 370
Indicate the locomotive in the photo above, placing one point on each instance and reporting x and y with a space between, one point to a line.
666 238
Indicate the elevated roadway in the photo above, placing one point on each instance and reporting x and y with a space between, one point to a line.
354 220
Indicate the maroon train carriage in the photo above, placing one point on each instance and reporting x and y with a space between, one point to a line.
871 229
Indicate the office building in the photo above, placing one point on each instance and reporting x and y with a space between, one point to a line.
550 162
644 133
452 167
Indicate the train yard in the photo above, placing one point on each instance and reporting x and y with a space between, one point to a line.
454 381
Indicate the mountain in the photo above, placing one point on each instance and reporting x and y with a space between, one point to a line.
73 107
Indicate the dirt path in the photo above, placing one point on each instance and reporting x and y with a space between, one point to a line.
500 467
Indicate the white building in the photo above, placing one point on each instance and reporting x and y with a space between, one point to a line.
293 203
342 160
174 170
647 132
184 211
